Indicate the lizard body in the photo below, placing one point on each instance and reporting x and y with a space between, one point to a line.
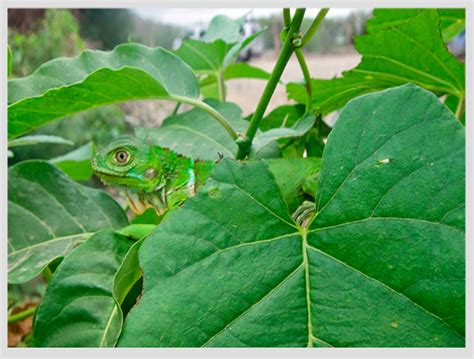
150 176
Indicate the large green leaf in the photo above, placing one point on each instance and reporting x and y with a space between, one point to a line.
77 164
413 52
48 214
302 126
290 176
452 20
208 83
382 265
196 134
37 139
215 53
62 87
81 306
224 28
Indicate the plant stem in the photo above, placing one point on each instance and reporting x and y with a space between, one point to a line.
286 51
22 315
460 109
307 79
221 85
48 274
176 109
214 113
315 25
286 16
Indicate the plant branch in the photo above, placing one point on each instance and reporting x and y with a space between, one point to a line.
22 315
176 109
286 17
307 79
245 142
315 25
460 108
213 112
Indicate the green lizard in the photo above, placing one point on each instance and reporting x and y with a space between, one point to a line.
150 176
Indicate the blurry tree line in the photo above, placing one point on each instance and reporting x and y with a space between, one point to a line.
39 35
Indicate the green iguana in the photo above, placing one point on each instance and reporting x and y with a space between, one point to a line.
150 176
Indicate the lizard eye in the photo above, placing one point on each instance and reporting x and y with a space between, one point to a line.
122 157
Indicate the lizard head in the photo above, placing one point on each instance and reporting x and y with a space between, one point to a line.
127 162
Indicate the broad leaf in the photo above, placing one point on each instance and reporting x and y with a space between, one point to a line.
48 214
77 164
233 71
382 265
62 87
302 126
214 54
413 52
290 176
245 70
282 116
452 20
81 306
37 139
196 134
224 28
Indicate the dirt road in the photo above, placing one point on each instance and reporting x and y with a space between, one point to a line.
247 92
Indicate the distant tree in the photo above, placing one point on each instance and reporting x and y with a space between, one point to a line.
110 27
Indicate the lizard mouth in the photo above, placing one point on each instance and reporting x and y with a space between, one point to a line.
105 171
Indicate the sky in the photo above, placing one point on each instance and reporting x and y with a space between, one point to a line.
186 17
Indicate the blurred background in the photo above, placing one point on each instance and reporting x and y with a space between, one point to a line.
39 35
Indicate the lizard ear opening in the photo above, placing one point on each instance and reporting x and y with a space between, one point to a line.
150 173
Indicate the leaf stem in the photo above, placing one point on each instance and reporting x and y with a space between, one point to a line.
315 25
22 315
48 274
221 85
307 79
213 112
245 142
460 108
176 109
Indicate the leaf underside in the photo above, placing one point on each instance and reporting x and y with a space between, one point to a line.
382 265
64 86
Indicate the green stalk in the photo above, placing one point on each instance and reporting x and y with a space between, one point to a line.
48 274
460 108
307 79
176 109
204 106
221 85
245 143
315 25
22 315
286 17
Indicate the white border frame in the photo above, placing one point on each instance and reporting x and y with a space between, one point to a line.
217 352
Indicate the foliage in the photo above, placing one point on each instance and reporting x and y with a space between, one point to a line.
58 36
393 53
375 259
109 27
